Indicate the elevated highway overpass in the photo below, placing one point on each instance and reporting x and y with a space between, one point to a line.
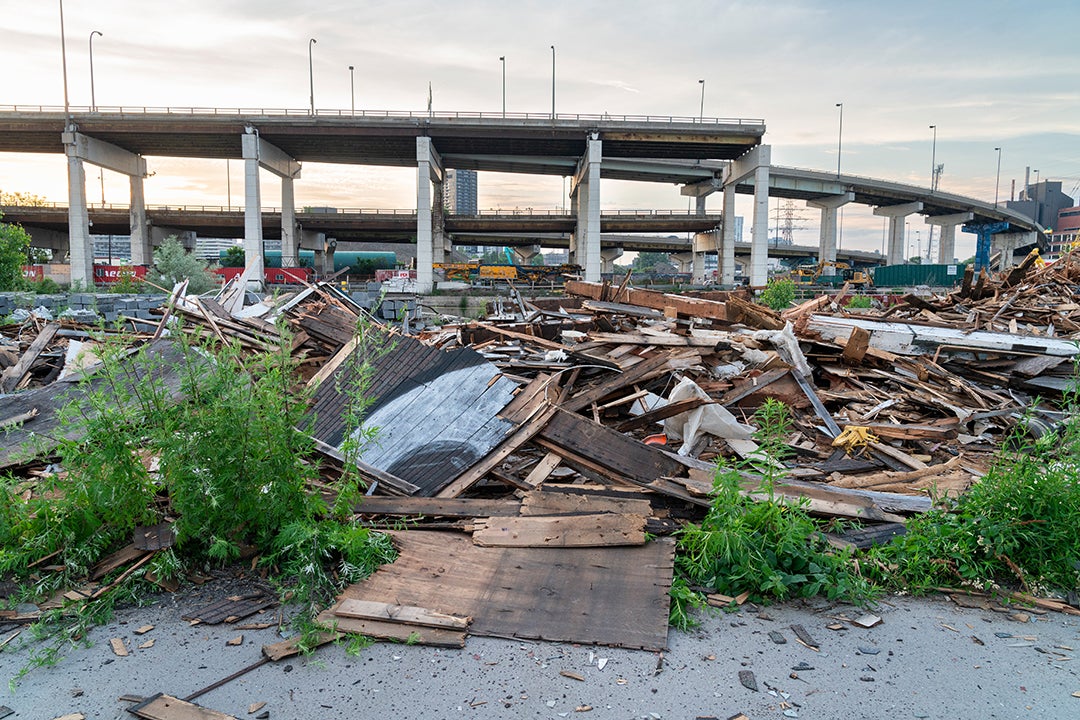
703 155
576 146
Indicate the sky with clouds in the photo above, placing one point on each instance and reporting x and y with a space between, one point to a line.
987 73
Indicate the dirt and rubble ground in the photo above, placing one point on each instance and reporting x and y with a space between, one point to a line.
928 658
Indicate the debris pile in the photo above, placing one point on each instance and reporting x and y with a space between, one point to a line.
533 453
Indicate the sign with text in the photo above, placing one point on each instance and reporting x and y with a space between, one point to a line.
109 274
34 273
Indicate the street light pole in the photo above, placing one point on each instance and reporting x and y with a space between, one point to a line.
933 162
701 112
839 138
997 180
93 98
552 82
352 90
63 57
502 59
311 73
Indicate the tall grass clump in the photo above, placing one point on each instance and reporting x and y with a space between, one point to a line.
756 540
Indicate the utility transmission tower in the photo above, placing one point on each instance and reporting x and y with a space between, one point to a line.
931 248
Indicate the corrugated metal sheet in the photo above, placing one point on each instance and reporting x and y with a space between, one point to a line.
436 412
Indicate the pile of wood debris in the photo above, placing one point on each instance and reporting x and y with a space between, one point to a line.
532 455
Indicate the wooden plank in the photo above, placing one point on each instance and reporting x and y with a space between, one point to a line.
551 502
166 707
436 507
383 630
123 556
857 344
542 469
598 530
677 304
752 385
645 370
627 458
662 413
666 340
12 376
402 614
531 339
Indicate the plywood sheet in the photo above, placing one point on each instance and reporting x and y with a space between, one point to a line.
611 596
436 412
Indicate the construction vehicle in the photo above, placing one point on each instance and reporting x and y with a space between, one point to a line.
829 273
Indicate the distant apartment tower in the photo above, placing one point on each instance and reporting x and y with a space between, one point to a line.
459 192
459 198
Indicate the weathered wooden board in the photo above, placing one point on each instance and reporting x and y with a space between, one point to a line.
166 707
403 614
597 530
436 507
399 632
611 596
682 305
625 458
551 502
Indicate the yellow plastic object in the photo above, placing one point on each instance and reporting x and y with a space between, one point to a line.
853 437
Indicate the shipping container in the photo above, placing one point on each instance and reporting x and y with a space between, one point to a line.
911 275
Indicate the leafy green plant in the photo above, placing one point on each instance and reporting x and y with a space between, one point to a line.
233 256
759 541
1015 526
230 461
860 302
173 263
778 294
14 245
127 283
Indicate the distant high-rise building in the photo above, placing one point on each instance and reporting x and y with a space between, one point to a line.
459 192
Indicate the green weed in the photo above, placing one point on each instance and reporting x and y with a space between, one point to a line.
766 544
1016 526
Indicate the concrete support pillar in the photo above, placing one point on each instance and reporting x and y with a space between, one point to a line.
81 247
829 206
159 233
141 251
699 205
725 257
80 147
684 261
316 242
524 255
705 243
585 243
948 223
328 257
608 256
759 242
440 248
253 237
428 169
1007 243
896 215
290 255
258 153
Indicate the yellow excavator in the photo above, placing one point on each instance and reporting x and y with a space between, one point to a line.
829 273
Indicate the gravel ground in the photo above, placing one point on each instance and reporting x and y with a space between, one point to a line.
928 658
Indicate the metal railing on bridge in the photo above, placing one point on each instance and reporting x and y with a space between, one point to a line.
491 212
377 114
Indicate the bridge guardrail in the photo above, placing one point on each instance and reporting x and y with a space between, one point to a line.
520 212
378 114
